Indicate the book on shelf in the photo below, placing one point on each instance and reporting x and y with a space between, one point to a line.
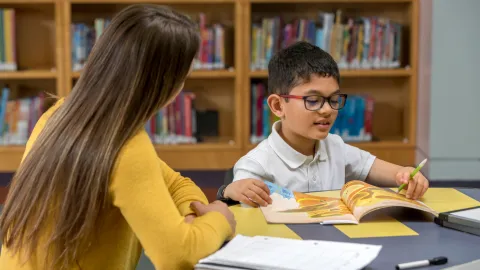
357 199
8 59
354 121
18 117
175 123
211 56
354 42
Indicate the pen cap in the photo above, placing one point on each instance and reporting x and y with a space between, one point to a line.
438 260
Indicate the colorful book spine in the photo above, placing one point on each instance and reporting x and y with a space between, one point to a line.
8 59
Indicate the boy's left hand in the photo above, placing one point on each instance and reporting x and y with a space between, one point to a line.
416 187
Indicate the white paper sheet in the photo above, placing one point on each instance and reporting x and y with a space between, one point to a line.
261 252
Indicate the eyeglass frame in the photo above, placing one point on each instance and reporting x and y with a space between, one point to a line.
323 100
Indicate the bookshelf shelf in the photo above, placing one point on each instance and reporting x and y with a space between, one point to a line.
345 73
27 2
331 1
28 75
151 1
196 74
196 147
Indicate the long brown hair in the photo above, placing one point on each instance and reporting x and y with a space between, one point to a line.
136 67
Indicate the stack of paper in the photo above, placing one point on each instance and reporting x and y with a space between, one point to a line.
260 252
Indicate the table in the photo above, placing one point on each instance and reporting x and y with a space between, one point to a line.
432 240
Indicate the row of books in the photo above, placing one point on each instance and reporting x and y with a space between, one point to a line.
175 123
84 37
214 39
353 123
8 59
354 43
261 117
211 53
18 117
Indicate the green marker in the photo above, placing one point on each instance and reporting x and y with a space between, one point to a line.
420 166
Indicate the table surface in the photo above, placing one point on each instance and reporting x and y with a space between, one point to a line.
432 240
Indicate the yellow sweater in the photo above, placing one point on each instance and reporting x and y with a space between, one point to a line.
150 201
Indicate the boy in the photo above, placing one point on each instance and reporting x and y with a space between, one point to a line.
300 154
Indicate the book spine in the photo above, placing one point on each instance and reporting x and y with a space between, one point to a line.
2 39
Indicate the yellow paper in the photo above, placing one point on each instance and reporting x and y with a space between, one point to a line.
447 199
379 226
250 222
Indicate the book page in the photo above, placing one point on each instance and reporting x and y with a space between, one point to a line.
296 207
362 198
260 252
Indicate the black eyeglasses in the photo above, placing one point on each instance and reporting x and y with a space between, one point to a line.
315 102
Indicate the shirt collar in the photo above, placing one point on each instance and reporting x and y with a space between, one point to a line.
290 156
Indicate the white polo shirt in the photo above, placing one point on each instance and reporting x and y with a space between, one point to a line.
334 164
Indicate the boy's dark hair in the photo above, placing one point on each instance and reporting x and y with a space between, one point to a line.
295 64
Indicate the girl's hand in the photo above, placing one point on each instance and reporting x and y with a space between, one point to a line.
190 217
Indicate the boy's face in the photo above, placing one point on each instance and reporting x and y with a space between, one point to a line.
309 124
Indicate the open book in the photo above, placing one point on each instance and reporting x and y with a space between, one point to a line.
357 199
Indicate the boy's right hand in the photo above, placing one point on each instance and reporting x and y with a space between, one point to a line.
249 191
218 206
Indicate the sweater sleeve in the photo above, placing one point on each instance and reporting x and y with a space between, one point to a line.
182 189
138 188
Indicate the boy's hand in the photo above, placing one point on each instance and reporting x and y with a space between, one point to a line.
416 187
249 191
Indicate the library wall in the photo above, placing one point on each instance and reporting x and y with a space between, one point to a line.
449 135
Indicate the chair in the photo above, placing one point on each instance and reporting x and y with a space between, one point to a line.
228 178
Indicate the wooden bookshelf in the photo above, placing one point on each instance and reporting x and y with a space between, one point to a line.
44 59
214 89
393 88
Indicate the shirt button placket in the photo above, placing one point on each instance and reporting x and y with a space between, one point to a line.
314 176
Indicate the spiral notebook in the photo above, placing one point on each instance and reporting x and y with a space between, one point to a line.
261 252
